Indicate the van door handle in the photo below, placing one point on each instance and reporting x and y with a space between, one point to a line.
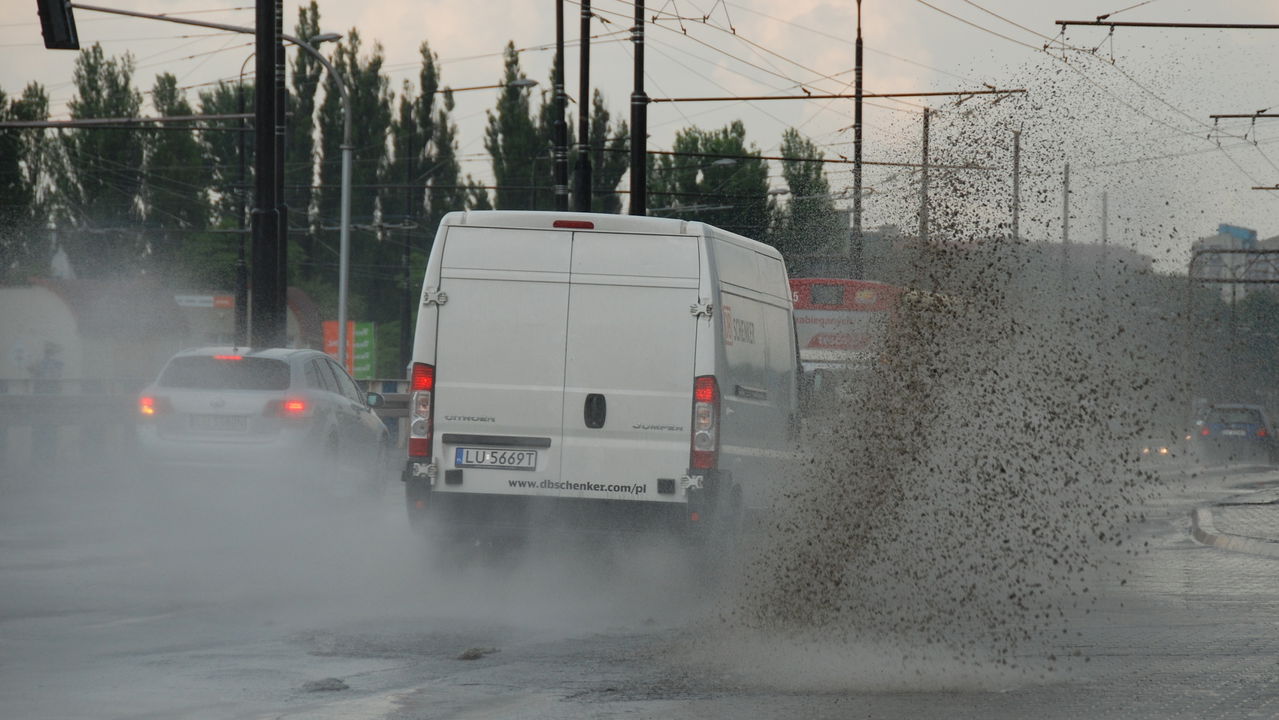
595 410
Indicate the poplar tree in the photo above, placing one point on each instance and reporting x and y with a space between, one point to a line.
610 157
25 249
100 183
809 223
176 191
729 192
222 152
299 147
519 150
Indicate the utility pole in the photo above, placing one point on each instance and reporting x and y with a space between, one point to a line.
923 186
281 304
1016 185
241 264
560 152
265 325
1105 248
406 305
855 242
1065 228
639 121
1105 217
582 176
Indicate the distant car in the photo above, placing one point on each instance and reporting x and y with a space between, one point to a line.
287 410
1162 449
1234 433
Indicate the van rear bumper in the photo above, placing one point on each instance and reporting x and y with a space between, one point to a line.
522 515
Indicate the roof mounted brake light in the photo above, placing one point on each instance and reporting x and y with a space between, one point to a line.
228 357
574 224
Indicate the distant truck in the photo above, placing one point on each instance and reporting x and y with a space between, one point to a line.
601 371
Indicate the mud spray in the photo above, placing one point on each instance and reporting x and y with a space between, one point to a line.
957 500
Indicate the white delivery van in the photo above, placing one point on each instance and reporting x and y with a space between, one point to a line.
606 371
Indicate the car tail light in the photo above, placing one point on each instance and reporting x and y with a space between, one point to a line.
421 410
150 406
295 408
1205 432
1261 432
704 450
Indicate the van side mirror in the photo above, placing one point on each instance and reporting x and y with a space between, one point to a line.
375 400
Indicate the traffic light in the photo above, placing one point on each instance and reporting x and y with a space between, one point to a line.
58 25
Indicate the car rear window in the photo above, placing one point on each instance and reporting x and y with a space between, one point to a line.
209 373
1235 415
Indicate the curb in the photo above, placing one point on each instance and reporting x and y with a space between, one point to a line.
1202 530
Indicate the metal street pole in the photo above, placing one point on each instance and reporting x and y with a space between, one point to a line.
1065 229
264 326
582 176
1065 206
241 262
855 243
1016 185
268 55
1105 218
639 121
344 244
406 307
923 186
560 100
281 303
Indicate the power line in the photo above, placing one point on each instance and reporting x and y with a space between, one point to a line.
820 75
832 97
849 43
841 161
1191 26
1016 25
1130 7
979 27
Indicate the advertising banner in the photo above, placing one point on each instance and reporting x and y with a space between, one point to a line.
361 346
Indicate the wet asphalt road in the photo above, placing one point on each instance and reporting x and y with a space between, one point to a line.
119 598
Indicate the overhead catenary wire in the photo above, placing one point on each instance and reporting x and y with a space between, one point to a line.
846 41
794 81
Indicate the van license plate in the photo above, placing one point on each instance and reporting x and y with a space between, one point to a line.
495 459
1234 433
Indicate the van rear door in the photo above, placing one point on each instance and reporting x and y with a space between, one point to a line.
500 358
628 376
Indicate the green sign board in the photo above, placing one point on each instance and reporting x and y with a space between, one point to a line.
364 351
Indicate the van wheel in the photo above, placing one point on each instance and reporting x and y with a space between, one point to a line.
718 549
419 517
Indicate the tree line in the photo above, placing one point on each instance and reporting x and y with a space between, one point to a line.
170 199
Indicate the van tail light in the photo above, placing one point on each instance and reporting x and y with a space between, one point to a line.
1205 432
421 410
704 450
151 406
1261 432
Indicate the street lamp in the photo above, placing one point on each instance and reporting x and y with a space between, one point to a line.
516 83
344 242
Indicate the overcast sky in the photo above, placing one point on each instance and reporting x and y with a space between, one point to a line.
1154 100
